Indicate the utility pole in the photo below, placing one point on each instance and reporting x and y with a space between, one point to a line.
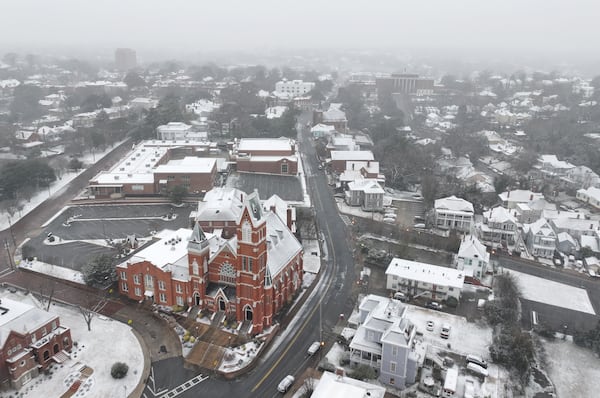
12 235
10 259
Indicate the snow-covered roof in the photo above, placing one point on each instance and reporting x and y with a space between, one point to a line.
591 192
575 224
170 247
189 164
275 112
499 215
334 114
427 273
221 204
566 237
331 385
282 245
589 241
471 247
265 144
520 195
539 227
453 203
322 128
367 185
21 318
174 127
352 155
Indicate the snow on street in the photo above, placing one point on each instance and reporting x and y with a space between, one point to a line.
553 293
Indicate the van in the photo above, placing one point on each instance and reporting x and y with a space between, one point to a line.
445 332
314 348
285 384
473 367
477 360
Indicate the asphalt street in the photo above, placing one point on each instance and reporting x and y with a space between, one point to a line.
287 354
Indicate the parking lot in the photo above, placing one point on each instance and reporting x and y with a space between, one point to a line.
86 230
286 187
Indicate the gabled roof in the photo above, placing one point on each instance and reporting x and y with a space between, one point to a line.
454 204
20 318
539 227
471 247
282 245
520 195
499 215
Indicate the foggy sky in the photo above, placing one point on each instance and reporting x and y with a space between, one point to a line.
237 25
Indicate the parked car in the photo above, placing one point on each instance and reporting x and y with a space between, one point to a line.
419 226
286 383
433 305
471 358
445 333
314 348
473 367
400 296
430 326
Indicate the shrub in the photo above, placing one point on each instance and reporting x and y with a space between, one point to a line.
363 372
119 370
452 302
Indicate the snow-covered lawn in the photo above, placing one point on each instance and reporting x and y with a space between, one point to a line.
239 357
54 189
108 342
573 370
465 337
553 293
357 211
312 256
52 270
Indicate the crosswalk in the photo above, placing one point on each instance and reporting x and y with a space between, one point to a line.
180 389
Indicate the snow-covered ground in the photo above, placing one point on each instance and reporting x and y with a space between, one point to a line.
357 211
108 342
239 357
573 370
55 188
553 293
479 335
312 256
52 270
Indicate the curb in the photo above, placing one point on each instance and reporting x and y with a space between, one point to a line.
139 389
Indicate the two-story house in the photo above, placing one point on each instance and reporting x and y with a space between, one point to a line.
385 340
540 238
453 213
366 193
425 280
499 227
473 257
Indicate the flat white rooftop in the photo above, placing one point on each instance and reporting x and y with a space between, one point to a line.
264 144
427 273
352 155
189 164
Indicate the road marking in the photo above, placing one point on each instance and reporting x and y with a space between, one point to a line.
180 389
306 322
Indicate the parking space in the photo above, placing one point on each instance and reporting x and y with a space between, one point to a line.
286 187
86 230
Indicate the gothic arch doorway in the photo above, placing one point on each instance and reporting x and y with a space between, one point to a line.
221 304
248 313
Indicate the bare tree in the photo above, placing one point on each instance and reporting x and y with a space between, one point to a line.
88 313
46 294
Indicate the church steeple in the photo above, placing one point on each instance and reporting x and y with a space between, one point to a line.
198 240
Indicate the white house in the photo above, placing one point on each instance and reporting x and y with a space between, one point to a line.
540 238
453 213
414 278
499 227
366 193
511 198
294 87
473 257
173 131
590 196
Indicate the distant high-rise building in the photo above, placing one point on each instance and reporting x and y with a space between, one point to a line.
125 58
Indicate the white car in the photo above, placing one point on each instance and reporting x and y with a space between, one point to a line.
314 348
286 383
473 367
430 326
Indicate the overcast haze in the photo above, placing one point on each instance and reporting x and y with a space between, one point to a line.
189 26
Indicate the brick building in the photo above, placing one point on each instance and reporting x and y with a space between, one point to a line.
270 156
246 265
154 168
30 340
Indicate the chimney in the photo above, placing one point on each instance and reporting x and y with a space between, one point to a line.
530 197
508 194
289 218
241 197
273 209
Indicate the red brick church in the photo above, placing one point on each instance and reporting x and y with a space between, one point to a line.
239 259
